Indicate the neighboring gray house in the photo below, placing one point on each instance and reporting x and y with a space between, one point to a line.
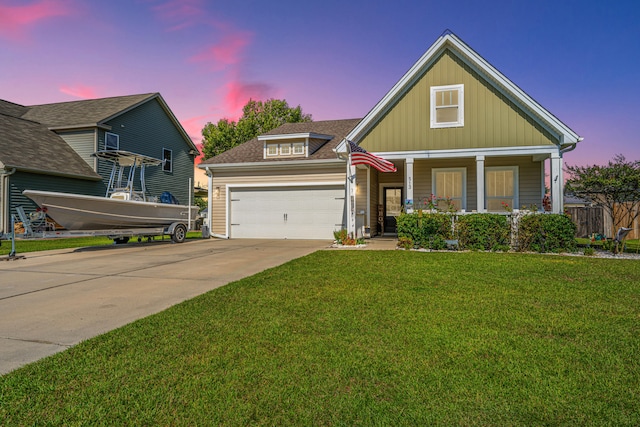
48 147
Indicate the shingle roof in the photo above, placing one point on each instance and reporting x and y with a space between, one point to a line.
28 145
85 112
252 151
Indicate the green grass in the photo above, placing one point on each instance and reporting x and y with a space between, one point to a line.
364 338
34 245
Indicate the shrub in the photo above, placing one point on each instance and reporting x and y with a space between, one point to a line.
546 233
426 230
483 232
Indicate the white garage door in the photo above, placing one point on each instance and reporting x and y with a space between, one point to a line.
313 212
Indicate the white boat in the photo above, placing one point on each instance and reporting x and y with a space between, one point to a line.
123 207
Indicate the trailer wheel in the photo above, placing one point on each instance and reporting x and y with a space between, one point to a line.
121 240
179 233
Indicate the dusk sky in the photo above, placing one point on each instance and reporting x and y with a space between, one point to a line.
337 59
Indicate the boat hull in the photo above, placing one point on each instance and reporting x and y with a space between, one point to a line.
82 212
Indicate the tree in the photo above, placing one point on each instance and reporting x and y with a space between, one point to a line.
615 187
258 117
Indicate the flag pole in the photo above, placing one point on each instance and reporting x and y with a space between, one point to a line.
351 202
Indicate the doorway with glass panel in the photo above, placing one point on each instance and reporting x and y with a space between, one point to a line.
392 208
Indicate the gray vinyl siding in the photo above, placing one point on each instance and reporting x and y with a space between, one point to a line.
21 181
83 142
147 129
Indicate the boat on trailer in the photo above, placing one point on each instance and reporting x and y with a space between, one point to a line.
125 205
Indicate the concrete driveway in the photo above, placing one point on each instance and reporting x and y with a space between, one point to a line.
50 301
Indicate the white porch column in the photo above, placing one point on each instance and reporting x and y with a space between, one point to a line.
408 182
480 207
556 183
351 200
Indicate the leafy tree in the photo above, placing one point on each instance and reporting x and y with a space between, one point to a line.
258 117
615 187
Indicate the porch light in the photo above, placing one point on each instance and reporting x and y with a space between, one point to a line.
216 193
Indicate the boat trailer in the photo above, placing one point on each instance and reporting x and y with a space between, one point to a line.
38 226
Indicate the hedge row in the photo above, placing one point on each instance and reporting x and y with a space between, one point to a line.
487 232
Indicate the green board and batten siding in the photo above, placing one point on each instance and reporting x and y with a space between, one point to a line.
147 129
490 119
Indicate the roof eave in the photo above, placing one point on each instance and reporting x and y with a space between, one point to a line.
95 177
270 165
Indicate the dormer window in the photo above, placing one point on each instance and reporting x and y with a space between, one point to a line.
447 106
285 149
272 149
298 148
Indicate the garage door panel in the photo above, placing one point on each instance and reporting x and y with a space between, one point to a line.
312 212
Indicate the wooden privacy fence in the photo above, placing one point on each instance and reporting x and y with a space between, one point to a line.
594 219
588 220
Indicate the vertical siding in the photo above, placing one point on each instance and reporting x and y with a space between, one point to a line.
147 129
84 143
490 120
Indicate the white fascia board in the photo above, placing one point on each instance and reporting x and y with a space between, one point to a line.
294 136
469 152
473 59
272 165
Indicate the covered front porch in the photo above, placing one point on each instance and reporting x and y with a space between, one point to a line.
488 182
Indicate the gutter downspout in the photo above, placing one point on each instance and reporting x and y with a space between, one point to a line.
5 208
210 206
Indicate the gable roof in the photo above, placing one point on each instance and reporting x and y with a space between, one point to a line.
30 146
252 151
96 113
448 41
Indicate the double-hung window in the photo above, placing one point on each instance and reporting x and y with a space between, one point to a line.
450 186
447 106
501 185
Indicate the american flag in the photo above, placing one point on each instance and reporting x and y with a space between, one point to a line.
360 156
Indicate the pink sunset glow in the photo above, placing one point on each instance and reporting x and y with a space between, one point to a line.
80 91
15 19
336 60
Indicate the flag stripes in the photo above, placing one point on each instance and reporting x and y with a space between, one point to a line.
360 156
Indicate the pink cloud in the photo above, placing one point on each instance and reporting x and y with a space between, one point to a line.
238 93
80 91
227 52
181 13
14 20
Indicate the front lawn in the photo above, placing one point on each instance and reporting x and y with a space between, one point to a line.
368 338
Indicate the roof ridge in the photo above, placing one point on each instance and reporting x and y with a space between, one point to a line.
149 94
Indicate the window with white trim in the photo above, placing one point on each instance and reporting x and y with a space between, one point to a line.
501 188
298 148
447 106
285 149
111 141
167 160
272 149
450 185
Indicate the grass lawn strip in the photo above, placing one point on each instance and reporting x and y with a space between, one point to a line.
384 338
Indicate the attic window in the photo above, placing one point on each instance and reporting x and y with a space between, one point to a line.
272 149
298 148
111 141
447 106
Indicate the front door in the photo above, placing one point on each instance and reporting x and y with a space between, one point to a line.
392 208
